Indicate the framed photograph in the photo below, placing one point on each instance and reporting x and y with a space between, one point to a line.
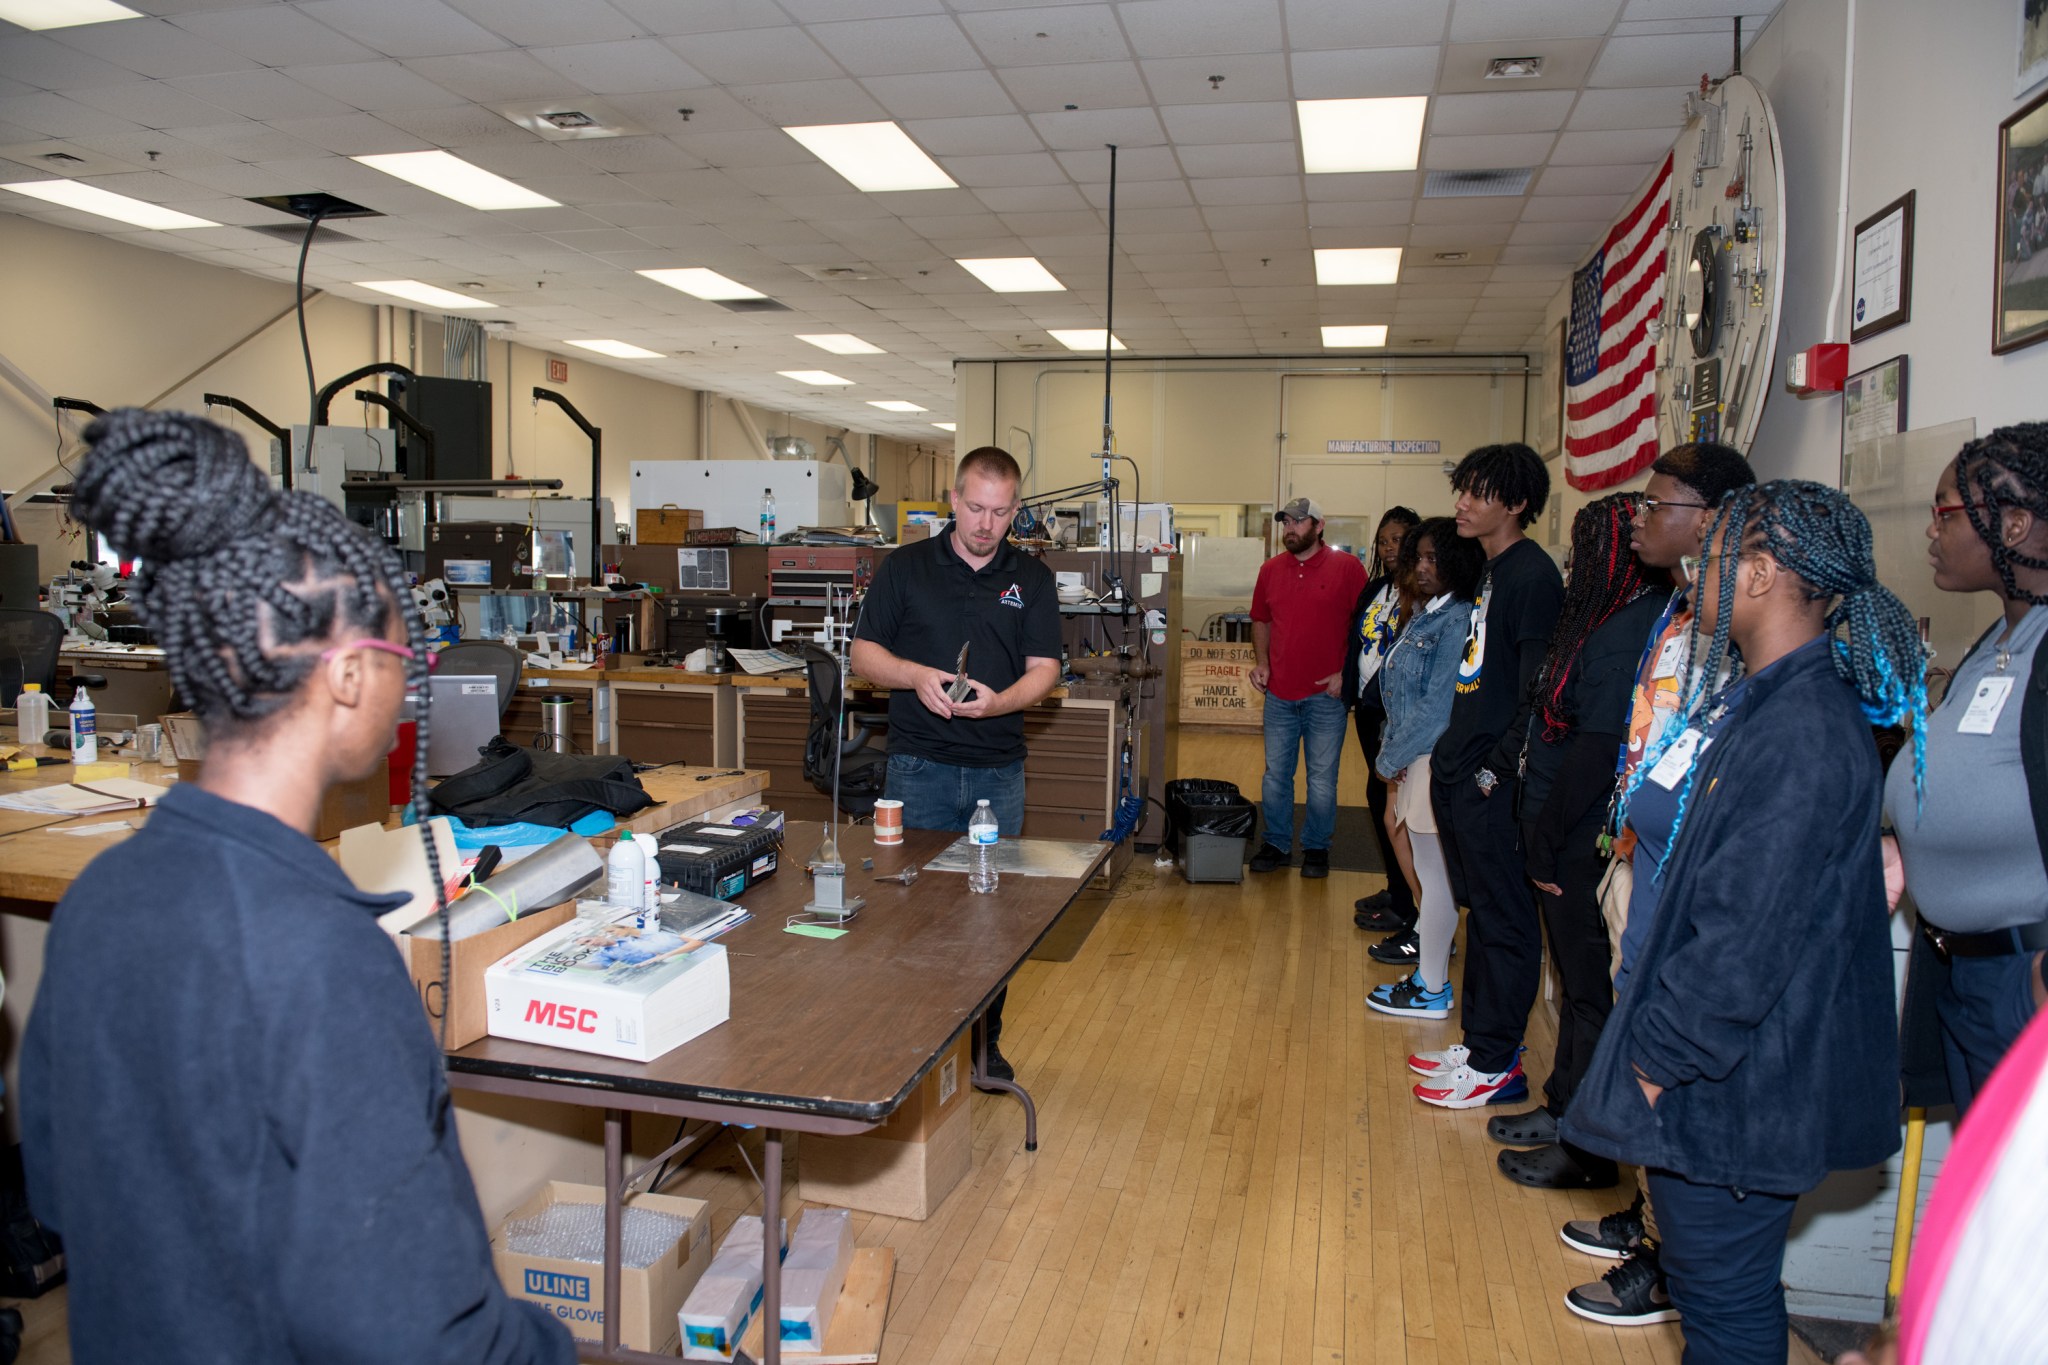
1874 403
2020 287
2033 45
1884 269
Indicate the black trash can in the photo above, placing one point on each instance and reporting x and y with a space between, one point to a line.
1208 825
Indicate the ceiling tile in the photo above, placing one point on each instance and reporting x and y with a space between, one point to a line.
1315 24
54 116
153 104
1575 207
1696 9
1611 148
1365 185
788 180
352 135
949 94
1375 213
1185 80
758 147
1536 111
707 110
758 56
1434 236
375 87
621 154
35 60
1036 199
1565 63
1486 21
805 102
625 67
458 129
1486 153
1240 217
896 47
1675 60
1657 107
544 23
275 35
1586 235
1135 194
492 77
679 17
1041 37
248 141
404 28
1159 220
1195 28
1088 129
1490 209
1271 121
1588 180
152 47
1092 85
1266 189
1260 158
1360 73
989 135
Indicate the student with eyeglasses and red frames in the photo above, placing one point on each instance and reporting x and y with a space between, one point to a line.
233 1109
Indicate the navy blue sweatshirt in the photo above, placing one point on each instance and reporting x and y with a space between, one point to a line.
233 1110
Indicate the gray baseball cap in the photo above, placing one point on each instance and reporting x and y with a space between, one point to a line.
1300 508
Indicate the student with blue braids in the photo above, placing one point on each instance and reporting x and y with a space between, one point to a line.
1754 1047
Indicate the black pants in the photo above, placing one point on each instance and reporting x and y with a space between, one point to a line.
1579 950
1369 720
1503 935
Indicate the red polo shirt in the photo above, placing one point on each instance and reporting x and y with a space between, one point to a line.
1309 604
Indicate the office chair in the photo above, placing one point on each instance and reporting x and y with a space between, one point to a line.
863 773
29 641
479 657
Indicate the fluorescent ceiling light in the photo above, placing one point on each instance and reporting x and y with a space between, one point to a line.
1372 335
701 283
944 426
453 178
813 376
623 350
1361 135
1013 274
876 157
432 295
41 14
1084 338
895 405
840 343
1358 264
75 194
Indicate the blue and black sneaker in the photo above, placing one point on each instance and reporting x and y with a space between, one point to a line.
1409 996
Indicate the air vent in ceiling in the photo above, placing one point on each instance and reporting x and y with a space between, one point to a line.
751 305
1476 184
314 204
843 273
571 120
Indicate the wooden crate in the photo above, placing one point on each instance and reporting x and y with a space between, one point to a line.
665 525
1216 689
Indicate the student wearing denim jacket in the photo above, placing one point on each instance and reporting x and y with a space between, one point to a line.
1442 571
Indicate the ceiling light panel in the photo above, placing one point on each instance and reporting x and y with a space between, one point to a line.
945 426
704 284
432 296
895 405
1012 274
840 343
1084 338
1373 335
876 157
1349 136
620 350
819 377
73 194
453 178
45 14
1358 265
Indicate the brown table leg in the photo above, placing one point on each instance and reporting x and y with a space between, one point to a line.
614 1219
984 1081
771 1251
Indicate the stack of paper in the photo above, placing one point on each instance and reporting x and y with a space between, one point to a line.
73 798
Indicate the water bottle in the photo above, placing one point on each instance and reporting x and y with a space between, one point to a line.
85 741
650 858
625 884
982 832
32 714
767 516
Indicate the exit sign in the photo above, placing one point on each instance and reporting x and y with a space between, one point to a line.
558 371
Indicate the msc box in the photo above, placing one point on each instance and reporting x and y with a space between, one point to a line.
650 1297
908 1166
467 960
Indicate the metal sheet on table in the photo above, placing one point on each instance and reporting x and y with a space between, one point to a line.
1025 857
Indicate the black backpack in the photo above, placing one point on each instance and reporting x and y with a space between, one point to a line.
510 785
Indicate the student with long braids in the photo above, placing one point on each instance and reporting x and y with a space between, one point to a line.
1754 1048
233 1108
1375 622
1579 721
1973 853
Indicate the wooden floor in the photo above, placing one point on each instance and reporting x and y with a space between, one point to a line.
1231 1168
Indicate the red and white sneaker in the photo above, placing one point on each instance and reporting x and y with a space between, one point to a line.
1441 1062
1465 1088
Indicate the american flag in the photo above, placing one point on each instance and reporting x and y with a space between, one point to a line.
1610 368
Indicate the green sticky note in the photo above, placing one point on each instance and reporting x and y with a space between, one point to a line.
813 931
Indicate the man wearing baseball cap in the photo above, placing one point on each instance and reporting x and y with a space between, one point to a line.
1301 618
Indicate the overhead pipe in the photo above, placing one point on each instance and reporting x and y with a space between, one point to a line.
596 435
326 394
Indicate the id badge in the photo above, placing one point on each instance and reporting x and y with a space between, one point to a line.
1981 716
1668 657
1677 760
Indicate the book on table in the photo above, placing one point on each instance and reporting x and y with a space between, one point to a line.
85 798
628 984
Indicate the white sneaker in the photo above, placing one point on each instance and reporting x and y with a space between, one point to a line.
1465 1088
1441 1062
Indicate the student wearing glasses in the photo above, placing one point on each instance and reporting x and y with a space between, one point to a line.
230 1095
1972 853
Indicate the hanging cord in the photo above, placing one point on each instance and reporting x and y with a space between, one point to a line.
305 340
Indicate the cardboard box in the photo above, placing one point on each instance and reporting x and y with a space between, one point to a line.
906 1167
665 525
650 1297
467 960
348 804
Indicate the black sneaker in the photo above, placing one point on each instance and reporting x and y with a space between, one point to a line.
1402 950
1381 919
1613 1237
1268 858
1315 863
1633 1294
1378 900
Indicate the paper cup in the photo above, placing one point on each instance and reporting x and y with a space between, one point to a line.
888 822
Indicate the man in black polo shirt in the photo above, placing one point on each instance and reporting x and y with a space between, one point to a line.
968 586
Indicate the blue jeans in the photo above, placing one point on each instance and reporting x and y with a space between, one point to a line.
1317 723
1723 1253
1987 1003
939 795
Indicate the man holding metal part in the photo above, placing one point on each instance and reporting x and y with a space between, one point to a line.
965 629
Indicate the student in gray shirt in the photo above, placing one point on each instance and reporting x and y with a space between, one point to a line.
1971 849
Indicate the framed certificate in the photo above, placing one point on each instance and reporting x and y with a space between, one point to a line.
1874 403
1883 270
